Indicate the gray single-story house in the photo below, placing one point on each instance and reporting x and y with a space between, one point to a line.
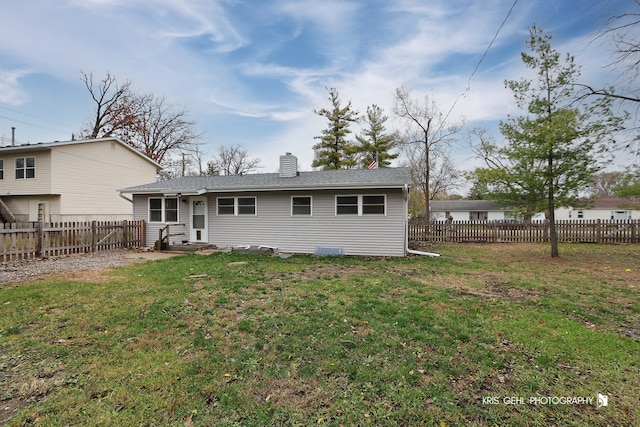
357 211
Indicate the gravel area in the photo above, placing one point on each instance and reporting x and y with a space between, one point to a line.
24 270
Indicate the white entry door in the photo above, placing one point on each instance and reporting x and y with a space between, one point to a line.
198 219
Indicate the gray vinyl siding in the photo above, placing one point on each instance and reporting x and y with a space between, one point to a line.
274 226
178 231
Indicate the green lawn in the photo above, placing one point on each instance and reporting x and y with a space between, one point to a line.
493 335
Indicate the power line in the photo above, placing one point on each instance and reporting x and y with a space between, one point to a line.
473 73
24 122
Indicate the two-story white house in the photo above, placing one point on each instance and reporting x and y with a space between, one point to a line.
70 180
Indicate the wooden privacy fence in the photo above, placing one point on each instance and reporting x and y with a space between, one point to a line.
578 231
41 239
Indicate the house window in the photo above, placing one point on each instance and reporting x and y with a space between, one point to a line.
25 167
171 210
301 205
163 209
361 205
580 214
236 206
373 205
478 216
347 205
226 206
620 215
1 169
246 205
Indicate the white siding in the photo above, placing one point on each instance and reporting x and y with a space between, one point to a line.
464 215
593 214
41 184
89 175
495 216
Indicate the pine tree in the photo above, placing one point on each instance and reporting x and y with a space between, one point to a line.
374 142
335 151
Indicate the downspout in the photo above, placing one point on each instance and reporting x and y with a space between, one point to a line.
127 199
431 254
405 193
406 228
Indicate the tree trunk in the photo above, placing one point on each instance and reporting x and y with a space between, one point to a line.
427 177
553 235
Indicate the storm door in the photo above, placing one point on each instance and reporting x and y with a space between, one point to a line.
198 216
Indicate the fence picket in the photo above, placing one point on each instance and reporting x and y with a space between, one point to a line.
31 240
584 231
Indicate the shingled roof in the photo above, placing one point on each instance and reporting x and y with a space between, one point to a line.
315 180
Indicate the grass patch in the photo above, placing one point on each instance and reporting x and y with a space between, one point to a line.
233 339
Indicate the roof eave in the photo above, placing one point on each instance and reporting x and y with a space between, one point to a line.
303 187
201 191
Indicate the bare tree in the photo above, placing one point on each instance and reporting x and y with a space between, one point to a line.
604 184
233 160
428 128
162 128
443 176
146 122
623 30
115 109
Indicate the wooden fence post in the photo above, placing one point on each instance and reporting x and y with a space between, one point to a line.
143 233
125 234
494 231
39 237
93 237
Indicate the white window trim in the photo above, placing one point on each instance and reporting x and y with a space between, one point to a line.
310 206
15 167
163 208
360 204
236 210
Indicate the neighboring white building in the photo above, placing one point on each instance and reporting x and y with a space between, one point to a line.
468 210
359 211
70 180
484 210
605 208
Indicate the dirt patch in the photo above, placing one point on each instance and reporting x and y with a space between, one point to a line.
92 267
88 276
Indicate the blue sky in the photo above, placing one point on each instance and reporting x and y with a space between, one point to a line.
252 72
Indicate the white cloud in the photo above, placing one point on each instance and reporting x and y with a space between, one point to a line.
246 60
11 92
